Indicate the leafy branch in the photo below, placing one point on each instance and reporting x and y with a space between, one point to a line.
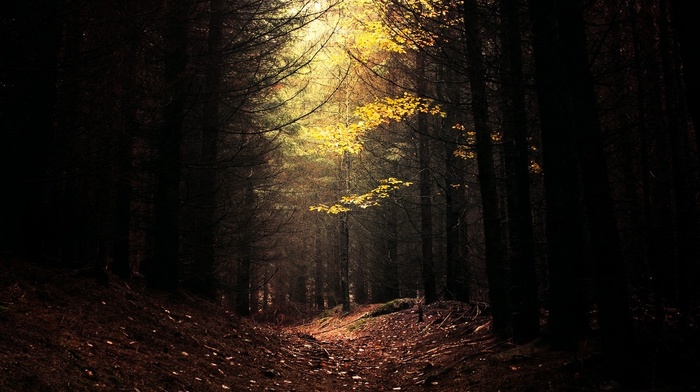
365 200
340 138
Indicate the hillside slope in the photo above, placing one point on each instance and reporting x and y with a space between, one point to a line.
62 331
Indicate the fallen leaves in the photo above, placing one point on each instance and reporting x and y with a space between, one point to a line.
54 339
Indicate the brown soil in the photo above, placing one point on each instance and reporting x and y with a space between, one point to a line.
62 331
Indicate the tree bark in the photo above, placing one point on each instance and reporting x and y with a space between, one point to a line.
456 263
523 288
612 297
163 270
684 172
495 258
208 186
564 221
29 63
426 202
345 240
245 260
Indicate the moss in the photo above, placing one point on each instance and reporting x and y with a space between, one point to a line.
393 306
330 312
358 324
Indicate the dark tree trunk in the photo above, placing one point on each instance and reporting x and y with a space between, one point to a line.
686 31
426 234
391 264
683 167
426 200
456 263
318 271
121 265
564 224
495 257
384 274
163 268
344 256
299 293
344 259
121 246
208 186
655 193
612 297
245 261
523 287
74 232
31 41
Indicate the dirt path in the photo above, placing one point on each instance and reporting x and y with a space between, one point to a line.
62 331
397 352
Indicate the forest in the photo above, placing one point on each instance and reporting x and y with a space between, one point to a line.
535 159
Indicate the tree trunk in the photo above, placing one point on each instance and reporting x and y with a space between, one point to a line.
208 186
686 28
456 262
495 258
345 240
612 297
318 270
121 265
391 263
121 247
684 171
426 202
655 193
564 224
163 269
523 288
29 64
245 260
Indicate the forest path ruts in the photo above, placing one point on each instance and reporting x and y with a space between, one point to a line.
396 351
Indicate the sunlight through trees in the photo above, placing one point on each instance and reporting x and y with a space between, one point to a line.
540 157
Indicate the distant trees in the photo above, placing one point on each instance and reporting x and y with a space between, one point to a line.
555 108
137 137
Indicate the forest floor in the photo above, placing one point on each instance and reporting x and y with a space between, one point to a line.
63 331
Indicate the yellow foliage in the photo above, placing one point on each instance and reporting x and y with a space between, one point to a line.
535 168
340 138
365 200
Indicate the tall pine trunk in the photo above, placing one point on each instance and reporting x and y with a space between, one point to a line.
495 257
426 202
564 221
457 267
163 269
29 64
344 256
523 285
245 259
684 169
208 186
611 288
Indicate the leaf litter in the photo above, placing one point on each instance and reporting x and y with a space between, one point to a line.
62 331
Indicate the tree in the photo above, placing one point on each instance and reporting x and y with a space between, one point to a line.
426 215
495 258
564 221
162 270
611 288
210 139
28 79
523 287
